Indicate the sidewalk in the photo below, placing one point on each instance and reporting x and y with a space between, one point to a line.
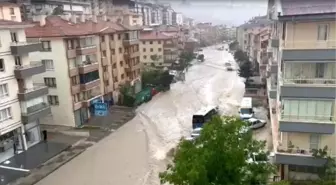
21 164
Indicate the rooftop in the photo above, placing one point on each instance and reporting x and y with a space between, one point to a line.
307 7
6 24
55 26
8 4
153 35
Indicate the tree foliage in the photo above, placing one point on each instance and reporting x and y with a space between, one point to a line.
156 78
240 56
233 46
224 154
166 79
58 10
245 70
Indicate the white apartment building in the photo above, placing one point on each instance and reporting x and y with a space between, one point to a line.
177 18
156 15
22 103
143 9
167 15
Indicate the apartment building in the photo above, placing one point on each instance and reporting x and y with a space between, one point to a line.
143 9
125 17
89 62
262 54
157 49
302 88
177 18
23 103
10 11
156 15
167 15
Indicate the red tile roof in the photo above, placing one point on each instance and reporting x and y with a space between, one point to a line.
55 26
153 35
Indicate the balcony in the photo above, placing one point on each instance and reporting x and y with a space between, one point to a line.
309 50
73 71
21 48
298 156
271 88
87 67
89 85
86 50
307 124
22 72
275 43
94 94
33 92
129 42
103 46
113 44
308 88
35 112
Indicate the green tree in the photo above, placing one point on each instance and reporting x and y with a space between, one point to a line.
150 77
233 46
240 56
246 70
166 79
58 10
224 154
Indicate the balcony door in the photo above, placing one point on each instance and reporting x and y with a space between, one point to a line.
14 36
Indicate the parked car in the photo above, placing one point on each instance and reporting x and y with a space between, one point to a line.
195 133
229 68
255 123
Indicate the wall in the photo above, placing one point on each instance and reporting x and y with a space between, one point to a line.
62 114
147 46
5 13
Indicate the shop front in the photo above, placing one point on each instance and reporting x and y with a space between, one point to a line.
33 133
11 143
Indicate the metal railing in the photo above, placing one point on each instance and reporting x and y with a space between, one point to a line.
310 118
310 81
35 108
31 65
23 43
34 88
296 150
314 44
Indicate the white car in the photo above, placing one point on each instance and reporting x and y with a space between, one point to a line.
256 123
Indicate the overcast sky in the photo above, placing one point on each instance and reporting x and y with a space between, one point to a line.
231 12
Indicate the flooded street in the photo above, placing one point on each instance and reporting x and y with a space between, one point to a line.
135 153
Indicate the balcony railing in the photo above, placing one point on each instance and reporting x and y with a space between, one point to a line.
309 118
314 44
310 81
298 151
35 108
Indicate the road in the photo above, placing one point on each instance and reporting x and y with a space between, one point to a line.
135 153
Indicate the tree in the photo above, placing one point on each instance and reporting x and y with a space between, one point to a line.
166 79
224 154
245 70
58 10
240 56
233 45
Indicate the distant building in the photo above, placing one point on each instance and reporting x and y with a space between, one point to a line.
177 18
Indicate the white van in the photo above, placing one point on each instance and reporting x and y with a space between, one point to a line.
246 109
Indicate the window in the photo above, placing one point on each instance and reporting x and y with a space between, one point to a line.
143 42
120 50
322 32
104 53
2 65
302 109
151 50
112 37
11 11
46 46
50 82
160 49
53 100
49 64
102 38
159 42
122 76
121 63
5 114
119 36
319 71
144 49
151 42
314 141
13 36
114 66
17 60
71 44
112 51
4 90
144 56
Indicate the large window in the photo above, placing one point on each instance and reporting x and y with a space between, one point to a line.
314 141
302 109
89 77
322 32
4 90
5 114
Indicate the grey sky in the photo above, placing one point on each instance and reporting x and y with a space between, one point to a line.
231 12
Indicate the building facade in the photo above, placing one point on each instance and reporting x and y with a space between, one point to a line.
177 18
92 64
302 86
23 103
